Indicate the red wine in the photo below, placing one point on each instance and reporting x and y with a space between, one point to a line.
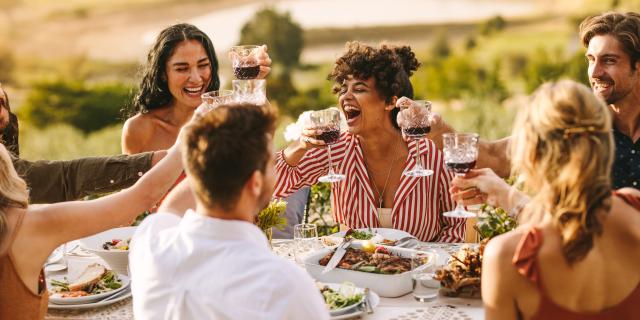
460 167
329 136
416 131
244 73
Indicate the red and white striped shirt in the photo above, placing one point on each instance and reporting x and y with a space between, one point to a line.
417 204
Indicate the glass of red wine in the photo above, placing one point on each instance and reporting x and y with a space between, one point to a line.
245 61
328 122
460 155
414 122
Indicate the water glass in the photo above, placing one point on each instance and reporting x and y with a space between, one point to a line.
254 91
215 98
423 267
305 238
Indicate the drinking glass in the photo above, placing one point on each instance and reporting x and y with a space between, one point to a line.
215 98
245 62
254 90
414 122
460 155
305 238
328 122
423 267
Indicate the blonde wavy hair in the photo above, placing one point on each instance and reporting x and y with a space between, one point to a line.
13 190
563 153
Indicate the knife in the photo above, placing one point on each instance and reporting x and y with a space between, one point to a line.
337 256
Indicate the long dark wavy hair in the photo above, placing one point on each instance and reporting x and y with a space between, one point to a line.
154 90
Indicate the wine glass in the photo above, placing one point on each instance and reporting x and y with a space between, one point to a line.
414 121
328 122
245 61
460 155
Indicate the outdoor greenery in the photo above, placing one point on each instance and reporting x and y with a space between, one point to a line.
476 74
86 107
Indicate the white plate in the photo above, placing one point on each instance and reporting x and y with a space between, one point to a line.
347 309
87 299
92 305
382 233
374 299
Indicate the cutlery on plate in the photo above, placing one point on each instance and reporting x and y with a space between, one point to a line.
367 302
341 250
116 295
406 242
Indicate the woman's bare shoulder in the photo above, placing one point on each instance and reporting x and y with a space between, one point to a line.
137 132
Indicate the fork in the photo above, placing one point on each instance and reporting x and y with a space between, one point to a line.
367 303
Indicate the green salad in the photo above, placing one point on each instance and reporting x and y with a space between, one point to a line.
345 296
361 235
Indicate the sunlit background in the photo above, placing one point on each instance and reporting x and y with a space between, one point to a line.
71 67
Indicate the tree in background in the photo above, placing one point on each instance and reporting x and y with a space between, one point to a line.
87 108
278 31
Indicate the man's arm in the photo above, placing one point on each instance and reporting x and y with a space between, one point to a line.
57 181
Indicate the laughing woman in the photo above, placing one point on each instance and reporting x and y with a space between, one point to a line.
181 66
372 153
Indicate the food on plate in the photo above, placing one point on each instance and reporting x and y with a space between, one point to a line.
345 296
360 235
461 277
368 246
380 261
116 244
94 279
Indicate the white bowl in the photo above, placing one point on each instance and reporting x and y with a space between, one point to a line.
386 285
118 260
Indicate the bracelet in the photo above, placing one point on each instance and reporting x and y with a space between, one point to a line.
517 209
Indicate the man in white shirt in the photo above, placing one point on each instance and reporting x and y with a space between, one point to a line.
214 263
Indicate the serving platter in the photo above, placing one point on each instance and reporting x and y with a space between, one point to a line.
385 285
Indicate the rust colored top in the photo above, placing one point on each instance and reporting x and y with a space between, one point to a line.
16 299
525 260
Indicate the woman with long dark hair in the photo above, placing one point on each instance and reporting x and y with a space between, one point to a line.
181 66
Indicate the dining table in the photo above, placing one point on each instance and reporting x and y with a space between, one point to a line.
400 308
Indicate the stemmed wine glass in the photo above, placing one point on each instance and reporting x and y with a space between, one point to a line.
460 155
245 62
328 122
414 121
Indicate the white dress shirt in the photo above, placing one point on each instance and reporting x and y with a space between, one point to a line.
200 267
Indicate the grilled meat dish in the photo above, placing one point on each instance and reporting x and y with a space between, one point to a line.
356 259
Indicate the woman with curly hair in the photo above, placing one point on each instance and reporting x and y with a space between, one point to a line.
373 154
575 254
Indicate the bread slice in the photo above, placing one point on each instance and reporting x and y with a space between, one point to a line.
89 276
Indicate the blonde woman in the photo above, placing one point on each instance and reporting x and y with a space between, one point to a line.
577 257
28 234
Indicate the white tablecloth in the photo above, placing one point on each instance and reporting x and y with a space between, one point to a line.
402 308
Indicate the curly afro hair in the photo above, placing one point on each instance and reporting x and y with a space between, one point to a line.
390 66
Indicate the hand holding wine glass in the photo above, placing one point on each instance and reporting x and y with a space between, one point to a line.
460 155
414 120
244 60
325 124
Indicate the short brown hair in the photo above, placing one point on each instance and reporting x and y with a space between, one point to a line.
225 147
625 27
390 66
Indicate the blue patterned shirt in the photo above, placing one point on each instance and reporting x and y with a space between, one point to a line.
626 166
